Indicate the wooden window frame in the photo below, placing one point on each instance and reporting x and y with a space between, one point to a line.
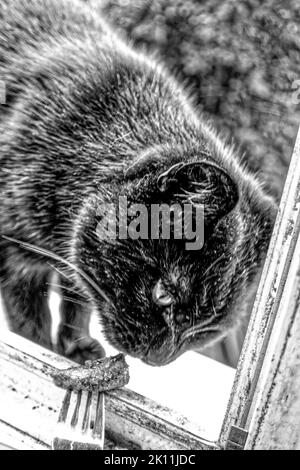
273 333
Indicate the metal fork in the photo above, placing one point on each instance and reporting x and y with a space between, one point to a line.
82 429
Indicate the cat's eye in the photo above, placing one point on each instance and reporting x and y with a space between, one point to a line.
160 295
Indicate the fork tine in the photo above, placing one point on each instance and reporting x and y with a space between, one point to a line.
65 407
84 414
86 418
75 417
98 431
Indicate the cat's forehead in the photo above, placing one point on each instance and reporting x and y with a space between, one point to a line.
178 276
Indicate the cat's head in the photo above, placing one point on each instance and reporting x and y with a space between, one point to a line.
169 295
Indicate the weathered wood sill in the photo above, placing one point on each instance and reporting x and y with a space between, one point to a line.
30 403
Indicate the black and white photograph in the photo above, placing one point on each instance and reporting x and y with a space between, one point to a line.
149 227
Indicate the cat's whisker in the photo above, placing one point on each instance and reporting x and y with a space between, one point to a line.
214 309
73 301
49 254
67 299
193 331
64 287
72 327
58 270
68 289
77 340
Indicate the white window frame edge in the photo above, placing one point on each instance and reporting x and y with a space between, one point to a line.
274 316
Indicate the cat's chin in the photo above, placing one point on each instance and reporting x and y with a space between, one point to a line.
159 361
170 351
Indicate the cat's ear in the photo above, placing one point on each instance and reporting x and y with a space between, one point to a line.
201 183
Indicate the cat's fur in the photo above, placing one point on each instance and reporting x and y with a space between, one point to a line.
88 119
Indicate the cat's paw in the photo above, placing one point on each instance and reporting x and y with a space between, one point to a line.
80 349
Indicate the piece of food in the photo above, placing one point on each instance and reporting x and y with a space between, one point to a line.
100 375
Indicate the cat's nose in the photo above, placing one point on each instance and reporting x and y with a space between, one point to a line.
160 295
